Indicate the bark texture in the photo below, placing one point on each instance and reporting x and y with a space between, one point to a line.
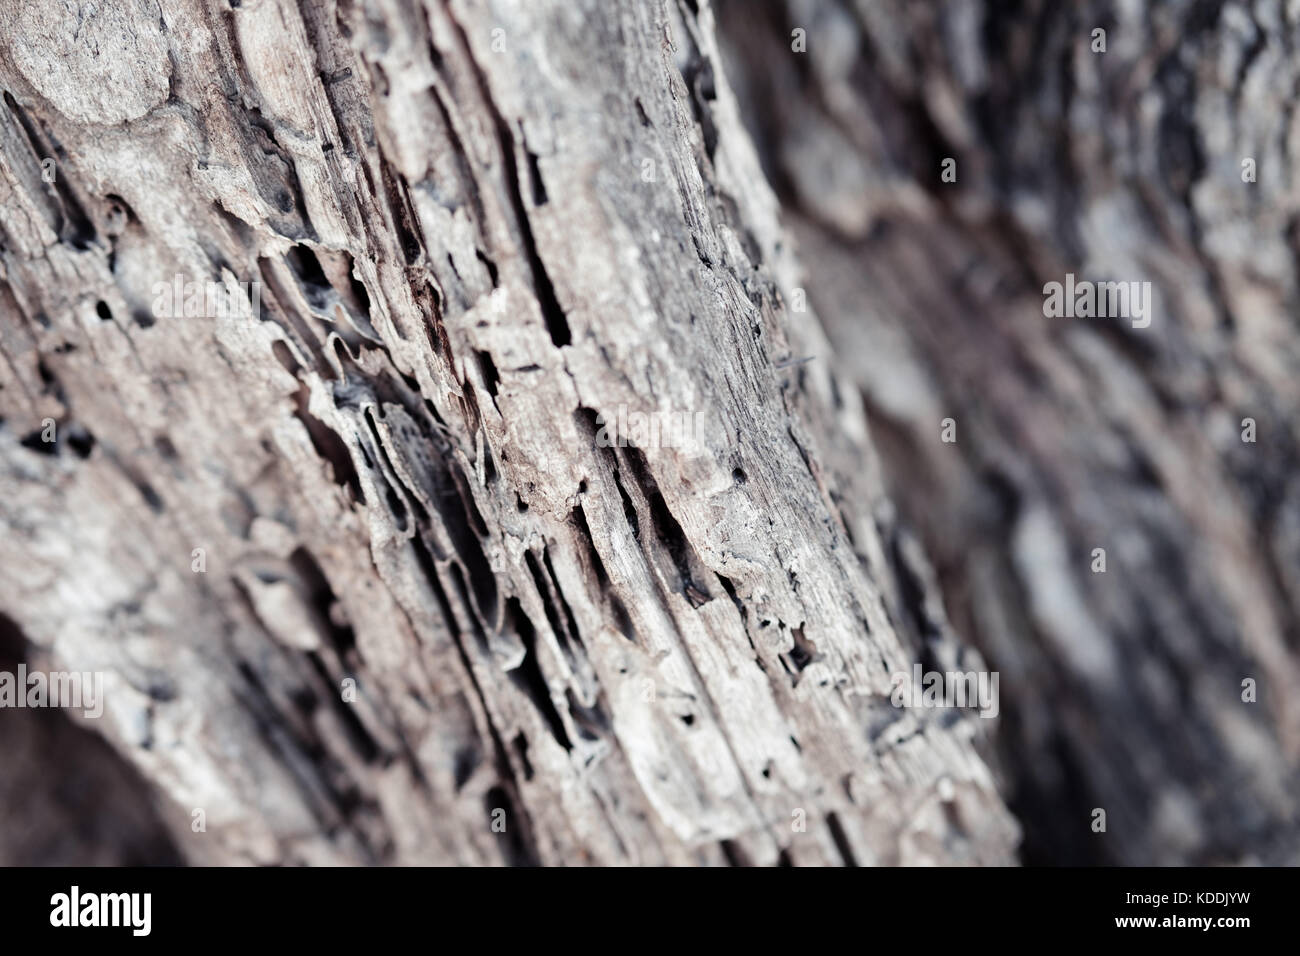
1122 690
476 226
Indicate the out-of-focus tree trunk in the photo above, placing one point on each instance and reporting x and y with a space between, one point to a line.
1123 690
475 227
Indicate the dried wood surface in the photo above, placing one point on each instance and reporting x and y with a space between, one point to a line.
641 655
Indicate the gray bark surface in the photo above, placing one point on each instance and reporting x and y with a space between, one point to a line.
640 655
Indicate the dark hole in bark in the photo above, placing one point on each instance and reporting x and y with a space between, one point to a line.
734 854
489 265
528 675
464 763
490 377
515 848
535 178
34 442
311 277
80 440
841 839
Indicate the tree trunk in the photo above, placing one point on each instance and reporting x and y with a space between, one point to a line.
367 579
484 237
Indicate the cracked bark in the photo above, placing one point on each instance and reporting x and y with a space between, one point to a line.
641 655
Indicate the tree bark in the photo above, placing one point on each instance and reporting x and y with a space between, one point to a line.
1122 690
482 233
475 227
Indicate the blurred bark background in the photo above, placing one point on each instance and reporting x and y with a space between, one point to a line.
1122 690
479 226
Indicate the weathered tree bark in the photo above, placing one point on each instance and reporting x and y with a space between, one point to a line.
1123 690
476 227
